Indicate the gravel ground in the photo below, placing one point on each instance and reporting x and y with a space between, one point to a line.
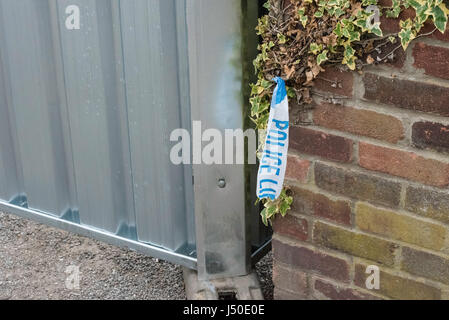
264 269
34 260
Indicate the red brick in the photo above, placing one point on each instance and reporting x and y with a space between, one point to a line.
431 135
385 3
441 36
339 292
425 265
297 169
338 211
321 144
407 94
391 25
428 203
404 164
298 113
310 203
290 280
291 226
280 294
357 185
310 260
360 122
335 81
434 60
303 201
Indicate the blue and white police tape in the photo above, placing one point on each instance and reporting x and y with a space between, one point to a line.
273 163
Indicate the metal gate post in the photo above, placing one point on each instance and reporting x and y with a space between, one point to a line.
219 33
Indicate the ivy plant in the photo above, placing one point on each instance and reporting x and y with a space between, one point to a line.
300 37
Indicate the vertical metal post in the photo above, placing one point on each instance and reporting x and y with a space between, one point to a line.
217 72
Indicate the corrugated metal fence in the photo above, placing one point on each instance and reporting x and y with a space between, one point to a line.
86 115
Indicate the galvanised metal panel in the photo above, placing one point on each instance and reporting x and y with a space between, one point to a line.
29 81
9 182
152 75
86 120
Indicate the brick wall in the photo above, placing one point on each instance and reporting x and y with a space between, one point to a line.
370 178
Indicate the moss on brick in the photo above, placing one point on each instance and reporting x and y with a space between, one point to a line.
398 287
354 243
400 227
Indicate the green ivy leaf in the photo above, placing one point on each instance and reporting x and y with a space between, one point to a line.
322 57
267 5
439 18
376 29
271 211
302 17
349 57
395 9
263 214
319 13
282 39
284 207
315 48
406 36
338 29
